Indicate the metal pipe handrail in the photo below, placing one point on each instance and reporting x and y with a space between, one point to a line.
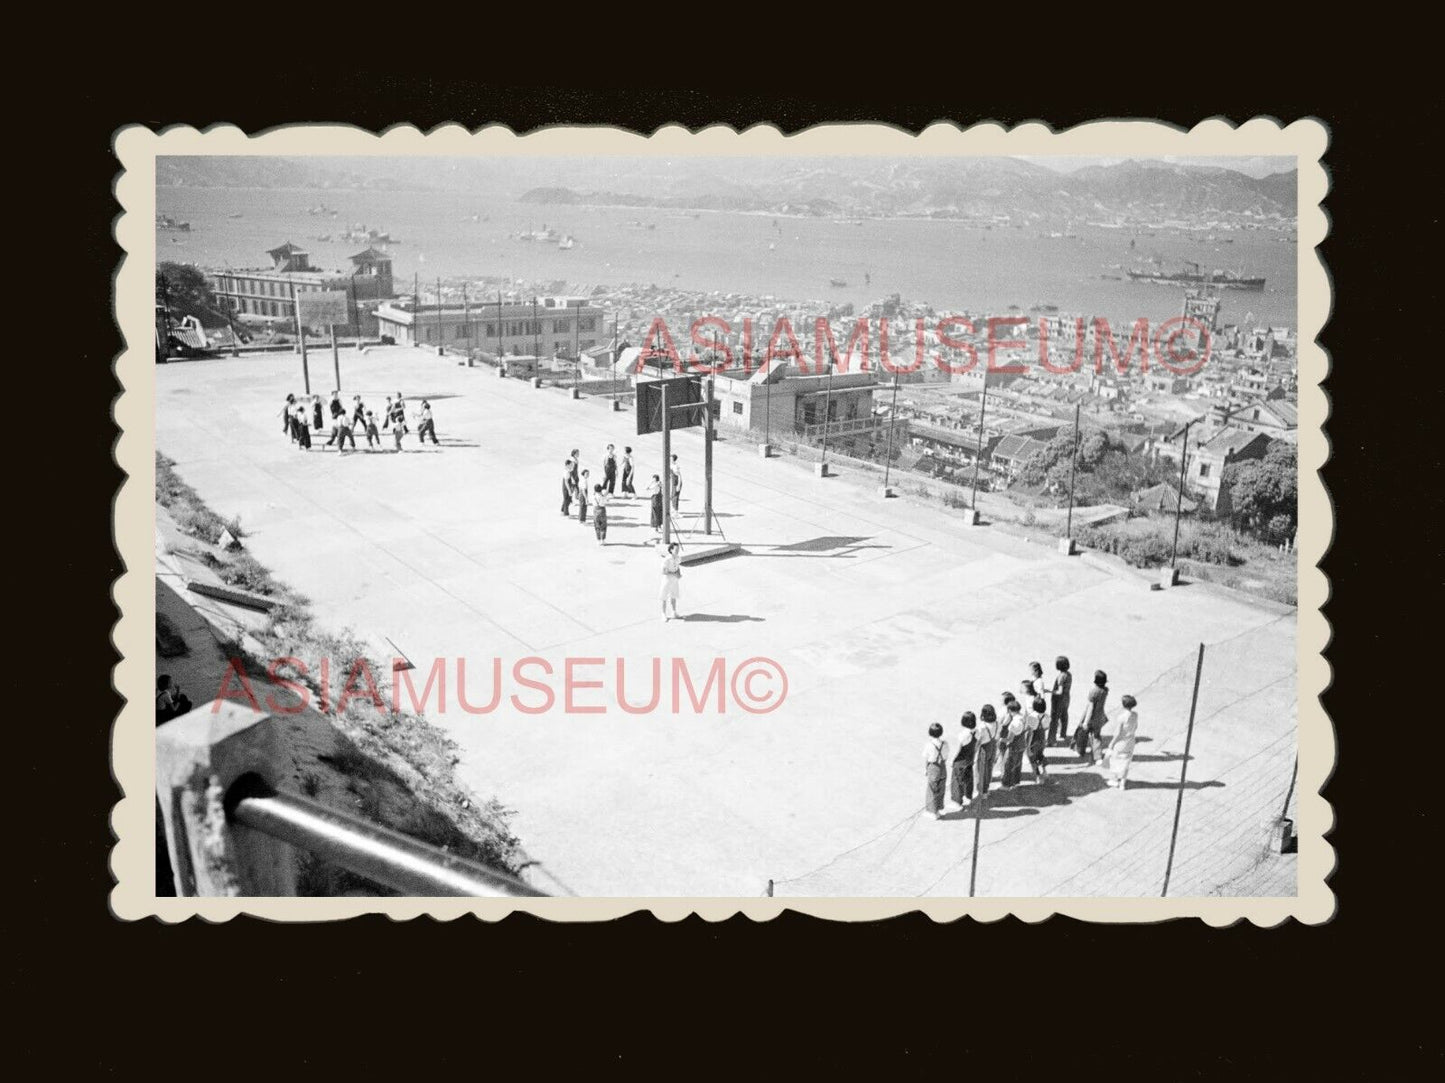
377 853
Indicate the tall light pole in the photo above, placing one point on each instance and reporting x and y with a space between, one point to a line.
978 448
827 409
892 420
1179 504
1073 461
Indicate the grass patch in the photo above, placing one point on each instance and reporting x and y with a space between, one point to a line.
1147 542
398 766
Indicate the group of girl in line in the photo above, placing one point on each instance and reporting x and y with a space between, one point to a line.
299 417
955 778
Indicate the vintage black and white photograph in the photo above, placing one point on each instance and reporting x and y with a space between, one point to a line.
857 516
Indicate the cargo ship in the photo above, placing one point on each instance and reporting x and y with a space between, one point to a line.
1193 276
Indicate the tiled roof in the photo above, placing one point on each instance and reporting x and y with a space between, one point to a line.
1017 448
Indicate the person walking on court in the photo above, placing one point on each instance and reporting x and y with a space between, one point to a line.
428 426
599 513
961 767
1059 701
316 422
671 590
1121 748
288 417
358 413
676 483
373 436
986 734
609 470
627 489
568 482
935 756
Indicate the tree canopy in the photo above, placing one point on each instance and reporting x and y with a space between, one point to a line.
1264 493
188 292
1105 470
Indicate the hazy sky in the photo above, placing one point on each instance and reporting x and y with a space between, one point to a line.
1256 166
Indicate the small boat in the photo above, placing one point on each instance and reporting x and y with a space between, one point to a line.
238 214
567 242
837 282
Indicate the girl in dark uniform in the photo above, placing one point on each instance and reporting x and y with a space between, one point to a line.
961 770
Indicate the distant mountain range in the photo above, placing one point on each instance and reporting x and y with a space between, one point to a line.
824 186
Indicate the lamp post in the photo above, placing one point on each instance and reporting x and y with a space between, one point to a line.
827 409
1172 576
978 448
892 420
1073 462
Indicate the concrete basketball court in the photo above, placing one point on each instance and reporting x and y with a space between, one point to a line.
885 615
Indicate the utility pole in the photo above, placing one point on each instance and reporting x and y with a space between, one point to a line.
973 859
1073 461
467 321
501 350
892 418
536 330
335 355
666 468
707 459
416 308
355 312
300 335
441 336
576 347
1183 772
768 406
978 449
827 409
614 363
1179 504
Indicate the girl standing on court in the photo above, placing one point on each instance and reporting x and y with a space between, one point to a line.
1012 738
672 580
654 496
935 754
987 737
1121 749
1090 733
1035 736
961 782
599 513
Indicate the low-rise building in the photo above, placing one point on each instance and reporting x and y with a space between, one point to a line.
268 294
1206 464
544 328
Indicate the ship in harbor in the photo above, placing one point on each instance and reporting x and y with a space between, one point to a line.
1192 275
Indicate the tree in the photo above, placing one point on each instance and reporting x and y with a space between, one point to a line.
1104 471
187 291
1264 493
